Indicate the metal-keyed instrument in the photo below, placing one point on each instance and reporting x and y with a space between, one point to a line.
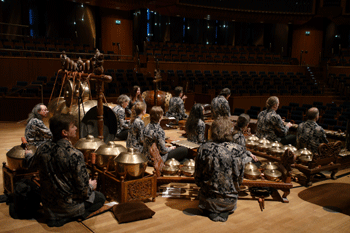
187 144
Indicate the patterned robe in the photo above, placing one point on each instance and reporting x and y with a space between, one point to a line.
154 133
135 135
220 107
37 133
219 173
176 108
270 126
310 135
198 136
121 123
128 108
64 179
239 139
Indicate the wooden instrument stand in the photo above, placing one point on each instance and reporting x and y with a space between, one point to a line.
325 160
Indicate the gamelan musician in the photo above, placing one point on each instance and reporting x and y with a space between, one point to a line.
310 135
36 132
137 126
220 105
219 171
195 126
135 98
238 136
153 133
271 126
177 106
119 110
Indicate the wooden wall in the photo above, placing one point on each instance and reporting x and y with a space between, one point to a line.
311 43
113 33
15 69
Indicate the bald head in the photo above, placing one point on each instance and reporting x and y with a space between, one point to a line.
312 114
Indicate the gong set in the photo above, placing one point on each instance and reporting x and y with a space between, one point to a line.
173 167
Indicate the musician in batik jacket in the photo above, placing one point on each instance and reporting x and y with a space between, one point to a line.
238 136
137 126
177 106
310 135
154 133
195 126
219 172
36 132
66 190
220 105
271 126
135 97
119 110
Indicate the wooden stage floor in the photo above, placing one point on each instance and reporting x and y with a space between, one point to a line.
181 215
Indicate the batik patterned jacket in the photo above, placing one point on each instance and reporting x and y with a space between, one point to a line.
36 132
220 107
135 135
120 113
239 139
198 136
129 107
176 108
219 173
270 126
155 134
310 135
64 180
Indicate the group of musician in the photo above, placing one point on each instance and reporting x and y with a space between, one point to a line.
219 162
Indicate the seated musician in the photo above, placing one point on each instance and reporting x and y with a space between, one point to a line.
220 105
271 126
310 135
153 133
238 136
177 106
119 110
134 98
36 132
195 126
66 190
137 126
219 171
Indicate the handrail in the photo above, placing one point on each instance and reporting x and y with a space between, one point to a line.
17 25
56 52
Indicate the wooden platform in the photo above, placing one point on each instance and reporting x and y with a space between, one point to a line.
182 215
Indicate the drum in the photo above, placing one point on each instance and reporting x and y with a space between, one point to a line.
163 99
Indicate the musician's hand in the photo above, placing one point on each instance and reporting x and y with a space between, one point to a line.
289 124
172 147
184 97
254 158
28 152
93 184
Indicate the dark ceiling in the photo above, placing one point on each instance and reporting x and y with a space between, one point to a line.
176 9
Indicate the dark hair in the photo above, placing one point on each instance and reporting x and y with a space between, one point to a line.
134 91
136 110
60 122
156 113
312 113
271 101
225 92
178 91
222 129
35 112
242 121
195 115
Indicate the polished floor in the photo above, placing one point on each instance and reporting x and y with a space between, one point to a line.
326 211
